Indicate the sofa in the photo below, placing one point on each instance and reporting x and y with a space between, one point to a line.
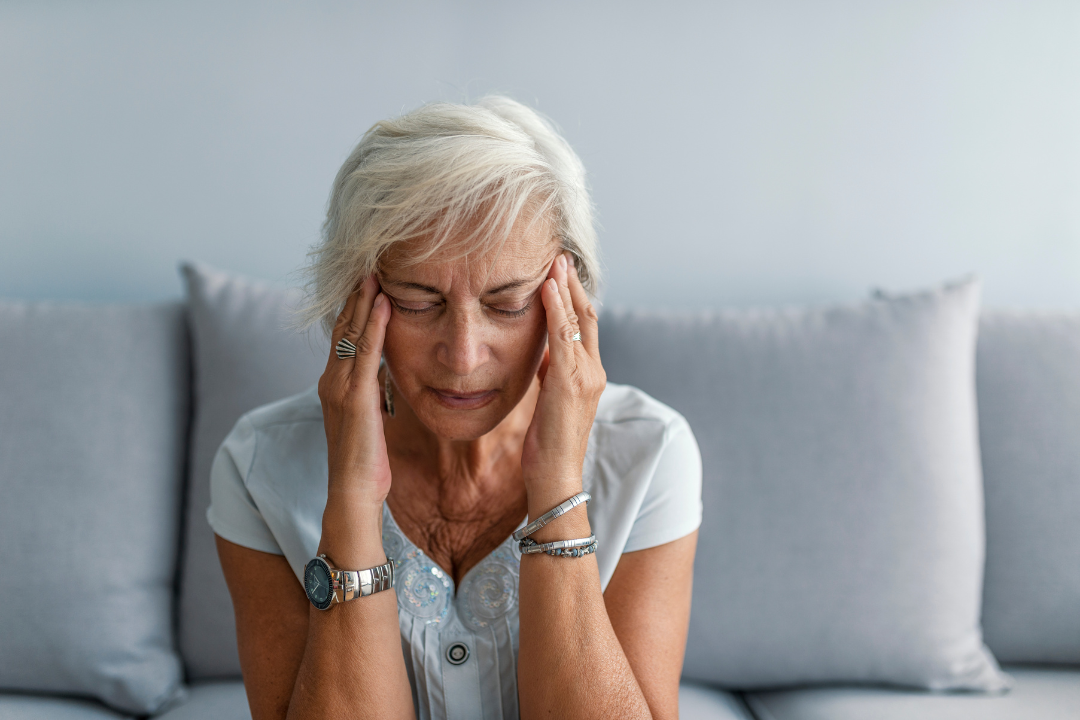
891 494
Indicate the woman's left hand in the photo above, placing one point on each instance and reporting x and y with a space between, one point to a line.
571 381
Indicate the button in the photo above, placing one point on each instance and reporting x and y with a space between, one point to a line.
457 653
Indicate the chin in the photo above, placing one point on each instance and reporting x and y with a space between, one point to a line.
461 425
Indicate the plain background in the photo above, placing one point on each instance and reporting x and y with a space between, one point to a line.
741 153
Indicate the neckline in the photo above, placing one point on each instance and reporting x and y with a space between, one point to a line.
389 516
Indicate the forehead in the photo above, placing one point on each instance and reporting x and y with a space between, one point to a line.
526 253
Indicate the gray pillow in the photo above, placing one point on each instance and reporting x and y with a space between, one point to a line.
92 425
1029 418
843 534
243 358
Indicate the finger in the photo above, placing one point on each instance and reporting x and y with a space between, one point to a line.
340 325
586 314
560 345
357 321
370 343
562 277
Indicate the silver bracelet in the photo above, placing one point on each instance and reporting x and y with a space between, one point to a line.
567 548
581 497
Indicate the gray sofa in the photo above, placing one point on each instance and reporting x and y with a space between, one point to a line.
891 494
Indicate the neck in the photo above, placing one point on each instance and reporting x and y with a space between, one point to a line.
460 474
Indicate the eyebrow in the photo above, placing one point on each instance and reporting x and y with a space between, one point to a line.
512 285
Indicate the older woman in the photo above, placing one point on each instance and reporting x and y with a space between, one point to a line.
412 491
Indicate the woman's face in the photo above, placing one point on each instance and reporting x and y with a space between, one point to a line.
466 336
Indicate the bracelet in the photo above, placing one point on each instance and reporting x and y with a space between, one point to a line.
566 548
552 514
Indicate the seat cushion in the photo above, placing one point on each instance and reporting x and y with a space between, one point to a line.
93 424
218 700
701 702
244 357
1029 421
1038 694
36 707
843 533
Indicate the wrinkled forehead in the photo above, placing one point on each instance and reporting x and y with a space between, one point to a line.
524 253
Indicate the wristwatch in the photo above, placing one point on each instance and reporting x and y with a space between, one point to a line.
326 585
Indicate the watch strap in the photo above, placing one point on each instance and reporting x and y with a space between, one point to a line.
351 584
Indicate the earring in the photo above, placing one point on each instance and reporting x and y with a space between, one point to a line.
389 393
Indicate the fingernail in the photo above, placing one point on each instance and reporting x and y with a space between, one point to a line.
570 258
562 262
379 300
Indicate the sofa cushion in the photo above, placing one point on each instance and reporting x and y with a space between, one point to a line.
36 707
1038 694
701 702
218 700
93 424
1029 418
843 533
243 358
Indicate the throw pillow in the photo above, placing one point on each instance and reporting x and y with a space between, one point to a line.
843 536
244 357
92 424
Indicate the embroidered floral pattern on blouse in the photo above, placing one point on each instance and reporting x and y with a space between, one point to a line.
488 592
393 543
423 589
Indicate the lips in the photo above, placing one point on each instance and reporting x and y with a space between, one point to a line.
459 400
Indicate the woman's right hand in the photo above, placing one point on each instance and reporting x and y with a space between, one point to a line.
352 404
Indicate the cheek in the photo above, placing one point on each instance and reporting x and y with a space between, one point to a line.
402 345
531 345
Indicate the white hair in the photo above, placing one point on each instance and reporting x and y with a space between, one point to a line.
458 176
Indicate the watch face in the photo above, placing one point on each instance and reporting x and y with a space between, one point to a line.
318 583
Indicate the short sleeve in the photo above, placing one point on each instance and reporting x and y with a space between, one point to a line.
671 508
233 514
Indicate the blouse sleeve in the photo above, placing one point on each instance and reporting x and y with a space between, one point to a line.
233 514
671 508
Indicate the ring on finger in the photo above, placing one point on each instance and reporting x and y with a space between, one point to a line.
345 349
576 337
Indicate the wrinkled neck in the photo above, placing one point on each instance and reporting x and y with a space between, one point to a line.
461 471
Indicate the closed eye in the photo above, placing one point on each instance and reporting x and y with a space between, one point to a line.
422 309
425 308
513 313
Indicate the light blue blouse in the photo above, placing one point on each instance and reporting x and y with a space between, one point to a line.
268 489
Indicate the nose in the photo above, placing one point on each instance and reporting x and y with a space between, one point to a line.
462 349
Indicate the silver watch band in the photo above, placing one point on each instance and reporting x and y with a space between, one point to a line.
351 584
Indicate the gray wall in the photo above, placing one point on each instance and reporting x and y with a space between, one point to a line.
740 153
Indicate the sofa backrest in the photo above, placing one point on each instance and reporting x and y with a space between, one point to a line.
1029 426
1028 395
1032 468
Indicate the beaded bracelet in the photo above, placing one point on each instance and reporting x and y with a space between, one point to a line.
565 548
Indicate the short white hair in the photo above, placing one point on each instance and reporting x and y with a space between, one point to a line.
450 173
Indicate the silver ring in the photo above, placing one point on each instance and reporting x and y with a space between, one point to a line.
345 349
576 338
